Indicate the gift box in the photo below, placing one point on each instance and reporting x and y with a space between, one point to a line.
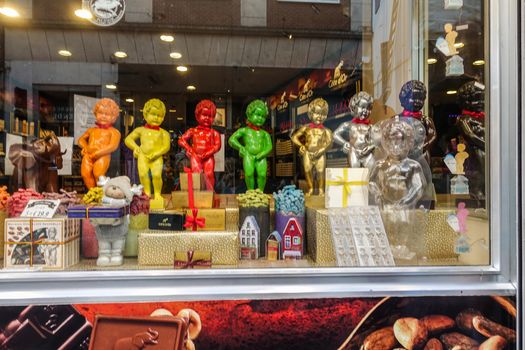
346 187
319 242
263 218
205 219
158 248
97 212
192 260
50 244
202 199
199 181
170 220
231 218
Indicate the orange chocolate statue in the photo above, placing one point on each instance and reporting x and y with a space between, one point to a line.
99 142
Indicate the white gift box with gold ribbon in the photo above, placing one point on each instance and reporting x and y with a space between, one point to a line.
346 187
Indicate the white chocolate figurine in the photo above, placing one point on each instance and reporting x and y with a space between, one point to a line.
360 146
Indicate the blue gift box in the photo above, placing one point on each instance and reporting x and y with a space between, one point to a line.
97 212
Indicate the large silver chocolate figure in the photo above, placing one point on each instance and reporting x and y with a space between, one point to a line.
397 182
471 98
359 147
412 97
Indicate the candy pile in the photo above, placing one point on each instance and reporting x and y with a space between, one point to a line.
253 198
18 201
4 196
67 199
289 201
140 204
94 196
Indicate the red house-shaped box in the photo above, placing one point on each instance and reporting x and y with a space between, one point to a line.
292 243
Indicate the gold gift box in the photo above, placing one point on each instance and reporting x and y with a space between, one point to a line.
214 219
158 248
438 238
201 199
319 243
199 260
232 219
199 182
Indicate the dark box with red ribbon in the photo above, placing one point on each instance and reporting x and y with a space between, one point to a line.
169 220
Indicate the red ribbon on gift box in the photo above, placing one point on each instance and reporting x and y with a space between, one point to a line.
190 263
192 221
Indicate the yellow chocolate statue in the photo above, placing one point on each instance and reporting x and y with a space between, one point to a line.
317 140
154 143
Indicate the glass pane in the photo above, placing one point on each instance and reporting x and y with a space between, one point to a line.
373 110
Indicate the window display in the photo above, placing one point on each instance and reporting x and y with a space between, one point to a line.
334 112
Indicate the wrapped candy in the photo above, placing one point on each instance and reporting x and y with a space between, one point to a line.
253 198
140 204
4 196
289 200
67 199
94 196
18 201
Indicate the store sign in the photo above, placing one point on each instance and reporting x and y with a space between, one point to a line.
105 12
283 104
40 208
339 77
307 91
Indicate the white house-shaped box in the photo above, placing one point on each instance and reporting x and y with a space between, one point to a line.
273 246
292 244
453 4
455 66
249 238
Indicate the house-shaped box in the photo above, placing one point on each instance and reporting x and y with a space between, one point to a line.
454 66
292 240
273 246
249 238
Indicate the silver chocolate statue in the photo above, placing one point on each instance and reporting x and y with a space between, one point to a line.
397 182
359 147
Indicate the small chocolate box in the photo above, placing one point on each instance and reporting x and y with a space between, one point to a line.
97 212
199 182
169 220
213 219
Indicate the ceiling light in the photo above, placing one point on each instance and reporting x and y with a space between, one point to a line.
120 54
175 55
130 100
182 68
65 53
459 45
9 12
180 118
432 61
167 38
111 86
290 36
191 88
172 110
82 13
478 63
451 92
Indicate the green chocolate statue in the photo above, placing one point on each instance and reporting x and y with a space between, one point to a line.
254 144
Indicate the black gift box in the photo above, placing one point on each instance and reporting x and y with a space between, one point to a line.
262 216
170 220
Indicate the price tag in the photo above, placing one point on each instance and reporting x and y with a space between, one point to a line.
41 208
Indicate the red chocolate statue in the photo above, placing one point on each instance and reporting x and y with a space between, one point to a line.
205 142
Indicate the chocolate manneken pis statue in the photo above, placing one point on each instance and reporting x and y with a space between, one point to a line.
397 182
254 145
471 98
154 143
205 142
317 140
412 97
359 147
99 142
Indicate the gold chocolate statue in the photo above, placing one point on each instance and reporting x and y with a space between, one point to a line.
317 140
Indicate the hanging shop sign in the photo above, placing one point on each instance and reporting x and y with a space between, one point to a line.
306 91
283 104
339 78
105 12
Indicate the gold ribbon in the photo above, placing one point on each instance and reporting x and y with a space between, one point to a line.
347 185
